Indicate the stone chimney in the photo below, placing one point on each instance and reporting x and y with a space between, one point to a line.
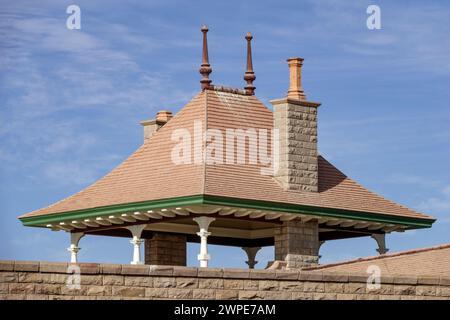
151 126
296 120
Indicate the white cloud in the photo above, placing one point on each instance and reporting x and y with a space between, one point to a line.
50 74
438 205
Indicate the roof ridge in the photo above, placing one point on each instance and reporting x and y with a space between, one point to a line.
382 256
203 188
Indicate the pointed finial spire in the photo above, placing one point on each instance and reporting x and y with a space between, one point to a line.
205 68
249 75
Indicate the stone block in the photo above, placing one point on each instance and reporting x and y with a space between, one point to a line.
113 280
405 280
204 294
334 287
28 266
111 268
91 280
423 290
6 277
262 274
138 281
268 285
444 281
208 283
335 277
157 293
128 291
404 290
286 274
21 288
89 268
313 287
443 291
428 280
210 273
185 271
53 267
291 286
48 289
164 282
234 284
157 270
99 291
251 284
250 295
135 270
179 294
310 276
236 273
357 288
186 283
324 296
346 296
6 265
302 296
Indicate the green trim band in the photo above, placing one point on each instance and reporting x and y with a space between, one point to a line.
111 210
410 222
319 211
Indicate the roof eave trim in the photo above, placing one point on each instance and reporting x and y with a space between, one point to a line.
409 222
113 209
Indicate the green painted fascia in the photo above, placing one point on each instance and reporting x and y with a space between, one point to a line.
111 210
410 222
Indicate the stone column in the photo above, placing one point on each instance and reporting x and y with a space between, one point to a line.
166 249
136 231
251 255
297 243
203 223
73 249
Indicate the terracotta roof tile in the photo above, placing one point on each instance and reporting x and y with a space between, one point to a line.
433 261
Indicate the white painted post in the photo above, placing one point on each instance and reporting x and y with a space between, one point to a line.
203 222
251 255
136 231
73 249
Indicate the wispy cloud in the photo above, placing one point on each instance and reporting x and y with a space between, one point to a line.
438 205
49 72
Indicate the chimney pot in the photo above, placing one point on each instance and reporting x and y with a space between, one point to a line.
151 126
163 116
295 79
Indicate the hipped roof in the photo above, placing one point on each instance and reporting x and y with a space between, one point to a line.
149 173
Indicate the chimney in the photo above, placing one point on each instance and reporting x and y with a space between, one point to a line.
296 120
151 126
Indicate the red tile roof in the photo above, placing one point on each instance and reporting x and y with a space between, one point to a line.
149 174
433 261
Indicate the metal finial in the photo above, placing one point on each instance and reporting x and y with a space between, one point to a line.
249 75
205 68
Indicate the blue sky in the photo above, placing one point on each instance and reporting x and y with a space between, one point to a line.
71 101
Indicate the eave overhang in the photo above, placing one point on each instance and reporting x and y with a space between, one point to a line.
327 215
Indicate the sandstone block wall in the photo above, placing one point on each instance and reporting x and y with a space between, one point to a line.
44 280
297 243
297 125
